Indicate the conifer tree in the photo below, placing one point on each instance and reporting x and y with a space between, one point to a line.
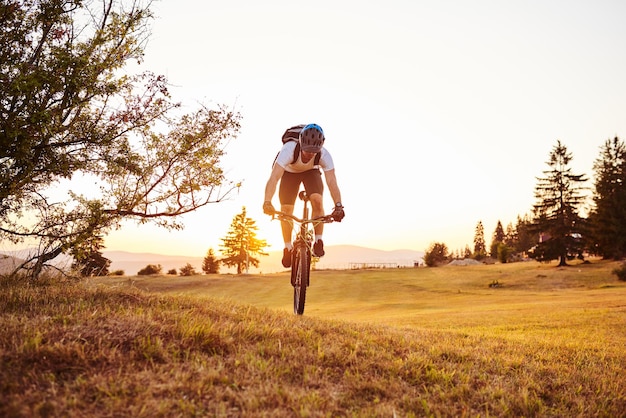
608 218
88 258
480 248
510 236
556 218
240 246
497 239
210 263
525 238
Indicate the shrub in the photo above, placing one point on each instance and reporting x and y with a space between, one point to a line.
150 269
620 272
436 255
187 270
504 252
172 271
116 273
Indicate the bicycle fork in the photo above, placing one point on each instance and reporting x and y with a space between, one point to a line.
301 252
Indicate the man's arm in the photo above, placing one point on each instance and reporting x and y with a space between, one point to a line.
333 188
270 187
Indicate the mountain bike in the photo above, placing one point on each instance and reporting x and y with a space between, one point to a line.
302 251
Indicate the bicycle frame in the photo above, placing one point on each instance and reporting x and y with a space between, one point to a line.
302 251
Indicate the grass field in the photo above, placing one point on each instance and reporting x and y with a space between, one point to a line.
546 341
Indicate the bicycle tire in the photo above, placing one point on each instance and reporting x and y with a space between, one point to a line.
301 265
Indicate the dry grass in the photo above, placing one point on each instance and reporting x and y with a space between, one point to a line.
414 342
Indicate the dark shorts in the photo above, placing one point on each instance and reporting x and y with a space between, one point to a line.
290 185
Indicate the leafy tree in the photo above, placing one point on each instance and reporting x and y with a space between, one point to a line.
188 270
556 218
241 245
480 248
497 239
88 258
210 263
608 218
71 113
150 269
436 254
503 252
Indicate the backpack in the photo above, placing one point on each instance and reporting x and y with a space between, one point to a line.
293 134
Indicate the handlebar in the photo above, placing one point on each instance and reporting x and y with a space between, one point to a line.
304 197
282 215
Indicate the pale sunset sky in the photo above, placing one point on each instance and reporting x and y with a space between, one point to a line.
438 114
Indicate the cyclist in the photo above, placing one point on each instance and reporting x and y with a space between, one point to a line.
304 168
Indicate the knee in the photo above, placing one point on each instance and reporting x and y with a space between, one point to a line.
316 201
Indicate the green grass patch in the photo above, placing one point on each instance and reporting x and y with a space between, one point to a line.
409 342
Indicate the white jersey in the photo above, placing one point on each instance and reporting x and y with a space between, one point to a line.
285 160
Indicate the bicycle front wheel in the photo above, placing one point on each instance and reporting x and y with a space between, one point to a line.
301 264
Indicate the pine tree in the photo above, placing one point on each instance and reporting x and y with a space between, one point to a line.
480 248
88 258
510 236
608 218
497 239
241 245
525 237
210 263
556 218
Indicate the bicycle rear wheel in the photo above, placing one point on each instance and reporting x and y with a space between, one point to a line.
301 264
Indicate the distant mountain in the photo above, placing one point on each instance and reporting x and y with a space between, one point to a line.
10 260
337 257
8 263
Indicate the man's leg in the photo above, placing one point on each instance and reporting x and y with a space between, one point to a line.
289 185
287 229
286 225
315 189
317 210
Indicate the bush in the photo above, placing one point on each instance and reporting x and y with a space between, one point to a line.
187 270
436 255
172 271
504 252
150 269
116 273
620 272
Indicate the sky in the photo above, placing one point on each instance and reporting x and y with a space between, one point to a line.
438 114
